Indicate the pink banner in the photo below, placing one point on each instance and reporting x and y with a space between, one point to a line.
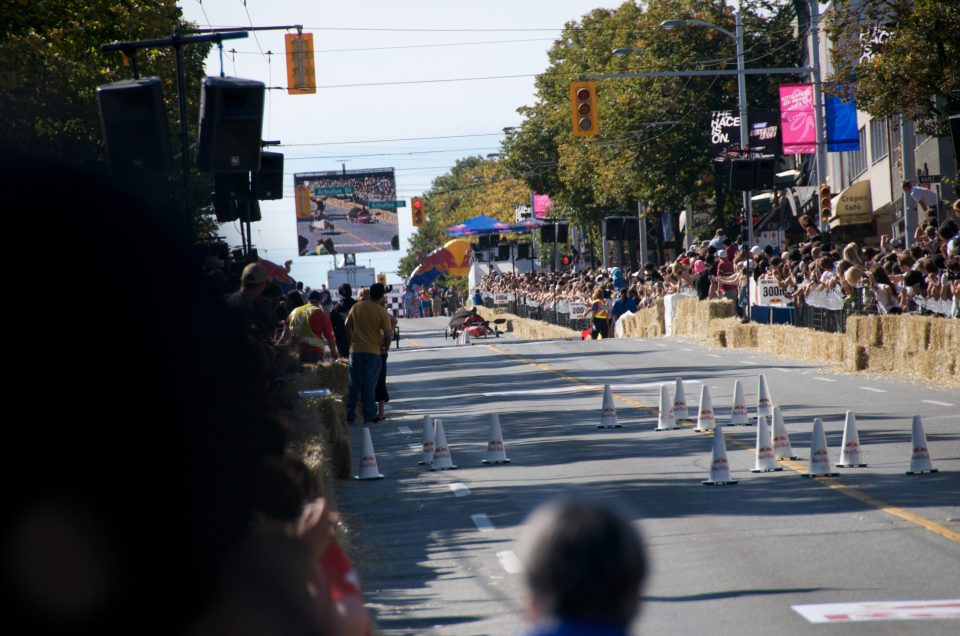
541 205
797 119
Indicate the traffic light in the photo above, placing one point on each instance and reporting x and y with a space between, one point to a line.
416 207
301 74
583 104
826 209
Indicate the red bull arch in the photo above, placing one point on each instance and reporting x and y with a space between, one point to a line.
453 258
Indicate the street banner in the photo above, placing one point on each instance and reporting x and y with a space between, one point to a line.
724 131
842 134
764 132
541 205
797 119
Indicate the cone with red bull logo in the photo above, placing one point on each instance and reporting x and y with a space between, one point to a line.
850 451
665 421
819 453
738 413
496 454
679 402
705 420
766 460
368 459
764 404
608 413
428 432
719 467
442 460
920 459
781 439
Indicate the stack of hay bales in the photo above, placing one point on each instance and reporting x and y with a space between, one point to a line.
318 425
645 323
918 346
693 317
803 344
526 329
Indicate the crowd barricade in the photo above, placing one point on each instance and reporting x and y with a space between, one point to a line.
947 308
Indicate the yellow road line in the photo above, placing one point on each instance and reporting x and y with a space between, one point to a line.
415 343
797 467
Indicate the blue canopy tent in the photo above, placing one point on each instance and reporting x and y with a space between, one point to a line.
478 225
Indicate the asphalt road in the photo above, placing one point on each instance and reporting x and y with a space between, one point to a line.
437 547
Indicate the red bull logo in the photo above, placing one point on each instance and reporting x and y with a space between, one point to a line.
495 445
740 409
707 414
820 457
720 463
920 453
368 462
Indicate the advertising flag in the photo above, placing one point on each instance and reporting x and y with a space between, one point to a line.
764 131
724 131
797 119
842 134
541 205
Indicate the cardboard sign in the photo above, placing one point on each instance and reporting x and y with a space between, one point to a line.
767 293
880 611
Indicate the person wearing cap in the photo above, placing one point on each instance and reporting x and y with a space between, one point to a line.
370 330
308 326
253 281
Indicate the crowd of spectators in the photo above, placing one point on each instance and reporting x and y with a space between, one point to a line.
889 278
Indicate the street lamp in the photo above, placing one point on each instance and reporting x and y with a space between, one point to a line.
669 25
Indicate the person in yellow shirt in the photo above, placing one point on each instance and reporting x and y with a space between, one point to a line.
601 310
369 329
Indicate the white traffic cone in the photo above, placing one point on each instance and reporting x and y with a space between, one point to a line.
850 456
428 445
368 459
679 402
819 454
705 420
781 439
495 451
738 414
920 460
608 414
764 405
719 467
766 459
442 460
665 421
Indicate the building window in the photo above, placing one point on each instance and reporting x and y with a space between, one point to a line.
857 160
879 139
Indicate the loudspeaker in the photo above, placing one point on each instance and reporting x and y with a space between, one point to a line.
547 235
741 174
230 195
493 240
631 228
614 228
249 210
503 252
267 182
561 233
134 124
523 251
231 118
483 243
955 133
764 171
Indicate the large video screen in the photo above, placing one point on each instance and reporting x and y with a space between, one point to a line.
346 212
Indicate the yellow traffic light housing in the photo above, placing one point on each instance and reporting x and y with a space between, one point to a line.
583 104
826 209
416 208
301 73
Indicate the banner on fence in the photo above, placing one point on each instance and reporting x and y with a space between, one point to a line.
577 309
767 293
825 298
502 299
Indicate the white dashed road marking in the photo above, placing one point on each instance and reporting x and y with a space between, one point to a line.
510 562
713 355
817 377
870 388
405 430
483 522
937 403
459 489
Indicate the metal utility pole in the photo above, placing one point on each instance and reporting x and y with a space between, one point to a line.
744 127
642 213
908 168
821 156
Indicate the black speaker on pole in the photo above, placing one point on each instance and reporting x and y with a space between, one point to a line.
547 235
614 228
249 209
231 119
503 252
231 191
134 124
483 242
562 230
523 251
493 240
267 182
631 228
741 174
764 170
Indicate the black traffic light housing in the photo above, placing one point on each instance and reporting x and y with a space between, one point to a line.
418 216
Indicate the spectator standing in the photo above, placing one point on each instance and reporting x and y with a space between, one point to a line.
436 300
370 329
409 303
924 198
382 395
584 566
326 298
307 326
338 316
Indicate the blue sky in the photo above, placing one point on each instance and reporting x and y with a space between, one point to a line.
356 43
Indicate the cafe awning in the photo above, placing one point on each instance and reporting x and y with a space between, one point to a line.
853 206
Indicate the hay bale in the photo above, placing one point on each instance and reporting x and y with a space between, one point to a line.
865 330
334 375
861 359
323 421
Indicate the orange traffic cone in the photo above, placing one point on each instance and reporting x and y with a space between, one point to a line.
766 459
920 460
368 459
781 439
665 421
764 404
679 402
738 414
428 432
819 454
608 413
705 420
850 449
719 467
442 460
496 454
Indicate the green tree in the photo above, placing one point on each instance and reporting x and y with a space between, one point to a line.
898 57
